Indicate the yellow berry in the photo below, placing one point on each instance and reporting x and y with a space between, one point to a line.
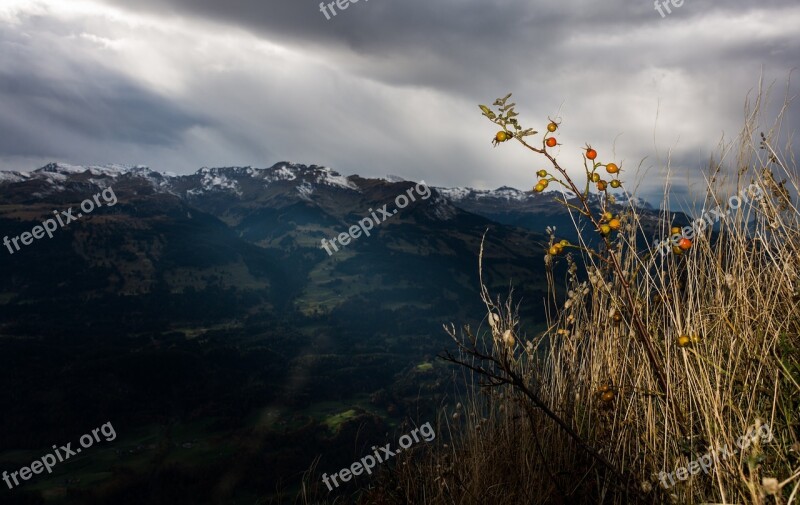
552 127
501 136
538 188
605 229
683 341
615 183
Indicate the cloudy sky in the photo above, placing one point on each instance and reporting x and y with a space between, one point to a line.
385 86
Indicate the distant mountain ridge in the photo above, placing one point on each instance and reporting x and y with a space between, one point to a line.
226 265
288 181
253 233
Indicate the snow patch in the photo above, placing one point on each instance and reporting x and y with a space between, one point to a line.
454 194
12 177
305 190
283 174
443 209
336 180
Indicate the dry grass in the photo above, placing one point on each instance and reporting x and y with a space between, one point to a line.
537 429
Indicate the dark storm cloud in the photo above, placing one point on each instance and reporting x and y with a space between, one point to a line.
462 45
105 108
390 86
50 98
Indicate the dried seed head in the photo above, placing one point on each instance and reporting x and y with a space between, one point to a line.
508 338
729 280
771 486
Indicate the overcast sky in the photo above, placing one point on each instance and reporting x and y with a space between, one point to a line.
385 86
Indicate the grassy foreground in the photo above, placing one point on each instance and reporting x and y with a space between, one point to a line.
662 378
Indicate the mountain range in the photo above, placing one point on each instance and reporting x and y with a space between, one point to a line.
209 297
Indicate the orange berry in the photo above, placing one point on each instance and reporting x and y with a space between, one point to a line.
601 185
501 136
611 168
544 182
591 153
608 396
551 142
685 244
614 224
